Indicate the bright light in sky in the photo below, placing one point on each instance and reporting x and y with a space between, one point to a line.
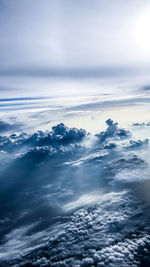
141 30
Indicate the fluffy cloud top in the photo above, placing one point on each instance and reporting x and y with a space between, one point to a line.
60 135
68 204
113 131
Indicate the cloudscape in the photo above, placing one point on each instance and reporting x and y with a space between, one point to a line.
74 133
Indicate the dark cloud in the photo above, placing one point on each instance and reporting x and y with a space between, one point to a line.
110 103
110 233
146 88
5 126
60 135
138 143
79 73
143 124
113 131
21 99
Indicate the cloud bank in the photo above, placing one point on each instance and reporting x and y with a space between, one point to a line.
73 199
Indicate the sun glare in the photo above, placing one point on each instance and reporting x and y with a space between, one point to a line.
142 33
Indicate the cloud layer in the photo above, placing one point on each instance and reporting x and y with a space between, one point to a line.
73 199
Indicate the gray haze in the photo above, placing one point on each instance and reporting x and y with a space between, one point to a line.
69 34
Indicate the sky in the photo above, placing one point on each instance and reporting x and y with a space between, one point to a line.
75 53
55 37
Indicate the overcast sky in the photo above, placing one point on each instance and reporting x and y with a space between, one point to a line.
69 34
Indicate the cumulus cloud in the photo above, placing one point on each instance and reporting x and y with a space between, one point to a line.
106 234
65 203
113 131
137 143
60 135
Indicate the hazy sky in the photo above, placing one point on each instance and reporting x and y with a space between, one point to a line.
72 34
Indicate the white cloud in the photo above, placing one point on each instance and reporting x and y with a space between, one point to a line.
77 214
